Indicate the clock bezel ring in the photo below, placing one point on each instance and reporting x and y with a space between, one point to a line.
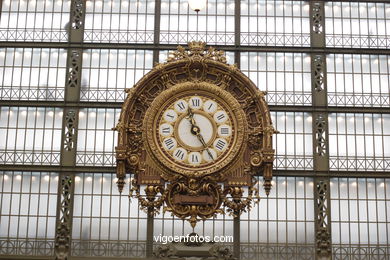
225 98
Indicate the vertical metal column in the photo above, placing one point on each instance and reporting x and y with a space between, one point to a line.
236 236
237 60
156 53
63 235
237 31
149 233
320 132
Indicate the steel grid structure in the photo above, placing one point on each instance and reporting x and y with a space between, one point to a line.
63 67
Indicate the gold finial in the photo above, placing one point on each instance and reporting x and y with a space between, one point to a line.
197 49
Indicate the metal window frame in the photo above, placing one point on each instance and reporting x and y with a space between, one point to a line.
72 105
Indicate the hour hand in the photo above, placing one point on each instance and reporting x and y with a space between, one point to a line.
190 113
190 117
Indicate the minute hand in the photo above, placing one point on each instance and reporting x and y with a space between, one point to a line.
195 130
200 137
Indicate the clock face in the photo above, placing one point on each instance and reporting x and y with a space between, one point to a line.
195 130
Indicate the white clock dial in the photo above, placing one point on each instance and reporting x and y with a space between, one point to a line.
194 158
210 106
181 106
195 131
195 102
188 138
180 154
206 155
220 144
170 115
166 130
169 143
224 130
220 116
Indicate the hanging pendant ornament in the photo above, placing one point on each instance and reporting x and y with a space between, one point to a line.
197 5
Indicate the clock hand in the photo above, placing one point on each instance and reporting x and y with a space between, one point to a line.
191 118
195 130
200 137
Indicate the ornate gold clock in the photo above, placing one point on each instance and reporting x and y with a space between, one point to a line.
194 132
194 129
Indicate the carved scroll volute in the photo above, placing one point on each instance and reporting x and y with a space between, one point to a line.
268 152
120 151
268 155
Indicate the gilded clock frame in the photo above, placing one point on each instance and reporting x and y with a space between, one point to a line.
191 88
192 195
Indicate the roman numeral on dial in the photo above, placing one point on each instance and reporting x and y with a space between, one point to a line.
166 130
210 106
220 116
220 144
195 102
206 155
181 106
169 143
224 130
194 158
170 115
180 154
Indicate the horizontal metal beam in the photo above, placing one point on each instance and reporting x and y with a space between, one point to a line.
27 257
331 174
232 48
282 108
289 173
35 103
361 1
381 110
57 168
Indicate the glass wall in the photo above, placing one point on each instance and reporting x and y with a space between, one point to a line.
358 80
357 25
360 217
359 142
102 217
270 41
36 20
30 135
107 73
275 23
285 76
28 203
32 74
180 24
96 139
119 21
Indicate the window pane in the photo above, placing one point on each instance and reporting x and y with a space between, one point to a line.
38 20
119 21
28 211
31 135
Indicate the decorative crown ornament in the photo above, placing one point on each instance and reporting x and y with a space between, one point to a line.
194 135
197 50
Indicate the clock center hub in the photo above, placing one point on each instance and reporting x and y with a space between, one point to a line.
188 133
